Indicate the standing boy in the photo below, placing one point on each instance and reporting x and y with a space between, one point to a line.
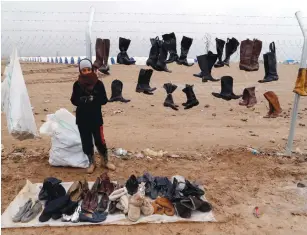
89 95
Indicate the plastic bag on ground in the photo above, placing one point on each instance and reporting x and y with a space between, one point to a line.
66 147
15 102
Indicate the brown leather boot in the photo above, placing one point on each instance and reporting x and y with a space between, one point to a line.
301 83
245 98
99 53
257 46
252 100
275 109
246 50
106 52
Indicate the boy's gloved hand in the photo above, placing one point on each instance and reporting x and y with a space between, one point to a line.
86 99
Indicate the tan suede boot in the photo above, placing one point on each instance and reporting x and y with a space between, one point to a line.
301 82
92 165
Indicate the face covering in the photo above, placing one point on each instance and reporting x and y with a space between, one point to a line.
88 81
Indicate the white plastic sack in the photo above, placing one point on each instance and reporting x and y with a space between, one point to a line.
16 102
66 147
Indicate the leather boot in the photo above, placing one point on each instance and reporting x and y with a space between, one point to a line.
219 50
185 47
231 47
257 46
117 89
249 97
147 79
301 82
153 53
275 109
191 98
270 65
143 82
206 63
226 89
169 102
246 50
122 57
99 53
106 51
105 159
161 64
92 166
170 40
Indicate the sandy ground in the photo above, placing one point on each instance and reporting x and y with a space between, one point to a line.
210 138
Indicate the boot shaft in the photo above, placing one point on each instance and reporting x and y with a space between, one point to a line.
246 50
169 88
219 48
116 88
142 76
99 47
124 44
188 90
226 86
257 47
206 62
106 46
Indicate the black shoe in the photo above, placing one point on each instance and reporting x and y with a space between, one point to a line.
170 40
191 98
219 49
226 89
270 65
169 102
185 47
117 89
143 82
206 63
153 53
122 57
231 47
161 64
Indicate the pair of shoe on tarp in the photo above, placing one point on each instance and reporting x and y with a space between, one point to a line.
27 212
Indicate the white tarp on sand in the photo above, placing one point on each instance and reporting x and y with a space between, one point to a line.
31 191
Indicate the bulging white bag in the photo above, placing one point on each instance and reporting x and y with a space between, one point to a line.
15 102
66 147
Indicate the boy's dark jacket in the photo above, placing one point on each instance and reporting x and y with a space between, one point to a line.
89 113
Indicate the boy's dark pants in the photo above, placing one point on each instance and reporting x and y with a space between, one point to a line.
87 133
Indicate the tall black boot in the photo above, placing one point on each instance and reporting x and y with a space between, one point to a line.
153 53
122 57
142 82
185 47
161 64
270 64
219 49
169 102
231 47
206 63
117 89
191 98
170 40
147 78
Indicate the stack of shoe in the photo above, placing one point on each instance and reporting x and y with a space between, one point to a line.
249 54
89 206
117 90
301 82
102 55
122 57
169 102
226 89
28 212
205 63
270 65
191 97
274 106
143 82
158 55
249 97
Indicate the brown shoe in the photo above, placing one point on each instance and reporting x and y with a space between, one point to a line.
75 191
275 109
301 83
249 54
249 97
